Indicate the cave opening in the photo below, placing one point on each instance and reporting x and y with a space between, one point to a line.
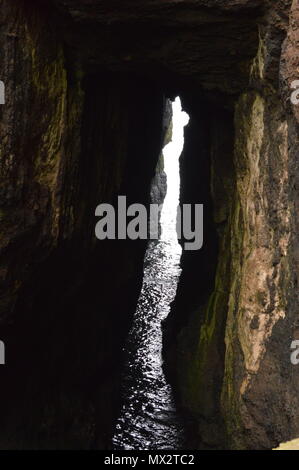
171 155
149 418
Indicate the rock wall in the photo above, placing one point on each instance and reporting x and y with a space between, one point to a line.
233 354
72 138
159 182
83 122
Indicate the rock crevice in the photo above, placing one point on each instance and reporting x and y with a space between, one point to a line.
87 85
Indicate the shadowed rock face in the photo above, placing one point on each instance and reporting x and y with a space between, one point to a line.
208 44
86 88
159 182
71 141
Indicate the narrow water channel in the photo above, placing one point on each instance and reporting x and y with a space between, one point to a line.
149 419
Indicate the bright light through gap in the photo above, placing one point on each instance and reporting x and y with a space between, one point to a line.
172 153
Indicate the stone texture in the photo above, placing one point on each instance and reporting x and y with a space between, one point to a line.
85 88
159 182
72 139
243 390
182 43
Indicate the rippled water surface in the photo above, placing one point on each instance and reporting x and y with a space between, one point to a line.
149 420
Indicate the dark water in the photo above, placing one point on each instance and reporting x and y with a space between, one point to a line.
149 418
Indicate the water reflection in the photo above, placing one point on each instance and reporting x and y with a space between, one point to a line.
149 420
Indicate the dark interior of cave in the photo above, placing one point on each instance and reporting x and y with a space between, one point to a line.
59 355
102 112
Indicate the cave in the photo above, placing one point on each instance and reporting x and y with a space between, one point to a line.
86 114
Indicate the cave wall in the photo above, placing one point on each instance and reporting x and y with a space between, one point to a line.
33 142
232 361
71 139
82 123
195 359
159 181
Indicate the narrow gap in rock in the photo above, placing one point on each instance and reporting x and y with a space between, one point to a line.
149 419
